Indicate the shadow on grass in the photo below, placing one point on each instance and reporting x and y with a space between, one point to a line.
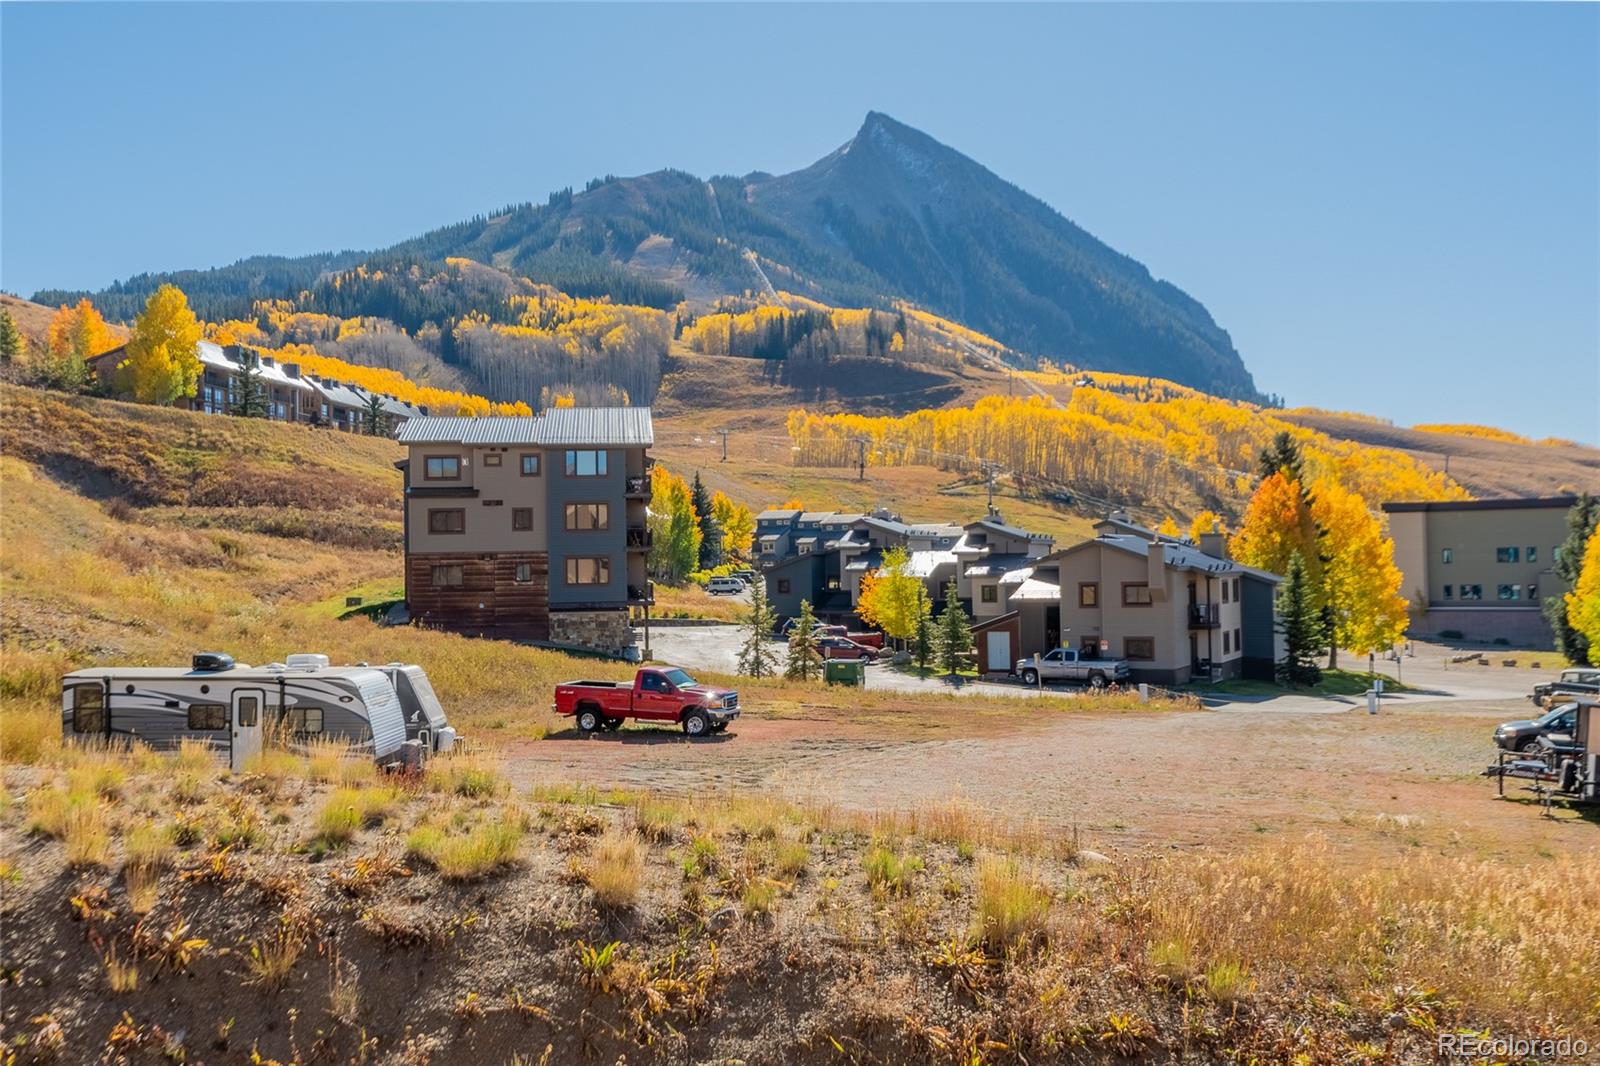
642 735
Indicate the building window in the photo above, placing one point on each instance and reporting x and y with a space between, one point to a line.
441 468
1533 553
586 516
208 716
491 459
586 462
1088 594
1533 592
783 586
448 576
494 503
1135 594
1227 642
530 464
989 594
88 709
1225 590
1238 644
523 574
453 520
1447 555
522 519
1508 592
1472 592
1140 649
585 570
1449 592
1236 590
1505 555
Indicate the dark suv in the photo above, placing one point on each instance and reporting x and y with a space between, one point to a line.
1521 735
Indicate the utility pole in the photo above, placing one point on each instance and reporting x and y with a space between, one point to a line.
724 434
990 471
861 459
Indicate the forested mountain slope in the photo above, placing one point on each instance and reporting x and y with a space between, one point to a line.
892 216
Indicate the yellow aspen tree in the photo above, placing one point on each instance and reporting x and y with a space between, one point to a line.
1361 584
1205 522
163 357
1583 602
79 331
737 522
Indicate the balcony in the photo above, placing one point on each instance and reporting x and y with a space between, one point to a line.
1204 616
639 539
641 596
637 488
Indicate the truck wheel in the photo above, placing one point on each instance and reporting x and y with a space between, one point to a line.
696 724
588 719
1097 680
1030 677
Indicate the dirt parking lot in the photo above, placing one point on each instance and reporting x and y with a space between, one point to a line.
1125 780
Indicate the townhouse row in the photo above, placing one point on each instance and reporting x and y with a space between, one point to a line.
287 394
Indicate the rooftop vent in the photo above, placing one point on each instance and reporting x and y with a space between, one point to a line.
206 662
306 661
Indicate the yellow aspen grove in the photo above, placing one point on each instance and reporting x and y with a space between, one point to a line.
1361 584
163 360
1277 526
1583 602
79 331
1169 528
1205 522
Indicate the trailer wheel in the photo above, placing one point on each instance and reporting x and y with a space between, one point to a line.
1097 680
1030 677
588 719
696 724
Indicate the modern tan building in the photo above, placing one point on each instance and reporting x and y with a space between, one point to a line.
1480 569
529 526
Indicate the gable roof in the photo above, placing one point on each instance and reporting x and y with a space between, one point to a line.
1178 556
996 565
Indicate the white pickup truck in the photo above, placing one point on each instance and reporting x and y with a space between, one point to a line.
1065 664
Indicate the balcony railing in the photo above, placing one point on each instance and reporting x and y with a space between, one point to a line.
639 538
641 596
1204 616
639 487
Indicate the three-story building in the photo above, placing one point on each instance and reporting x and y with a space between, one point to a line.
530 526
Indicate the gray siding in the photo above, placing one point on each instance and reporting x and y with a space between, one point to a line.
611 543
1258 628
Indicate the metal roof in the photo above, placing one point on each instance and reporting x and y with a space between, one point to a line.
1036 589
774 514
994 565
927 563
628 427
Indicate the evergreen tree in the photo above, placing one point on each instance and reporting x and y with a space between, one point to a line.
373 418
955 633
10 337
710 531
249 398
1568 565
1301 624
756 657
922 631
804 656
1283 456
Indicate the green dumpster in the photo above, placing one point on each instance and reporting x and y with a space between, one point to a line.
844 672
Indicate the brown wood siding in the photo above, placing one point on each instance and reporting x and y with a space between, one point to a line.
489 598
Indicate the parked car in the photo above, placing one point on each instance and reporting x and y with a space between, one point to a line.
1524 734
1577 681
725 586
747 576
871 638
657 694
845 648
1065 664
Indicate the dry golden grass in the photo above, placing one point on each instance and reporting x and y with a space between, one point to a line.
348 810
615 871
1011 905
332 761
472 851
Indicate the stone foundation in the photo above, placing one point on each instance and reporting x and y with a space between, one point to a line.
602 631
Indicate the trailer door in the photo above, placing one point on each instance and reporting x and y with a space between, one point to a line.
247 726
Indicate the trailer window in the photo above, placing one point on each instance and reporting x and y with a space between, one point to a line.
208 716
249 710
88 709
303 719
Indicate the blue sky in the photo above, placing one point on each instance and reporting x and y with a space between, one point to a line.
1392 208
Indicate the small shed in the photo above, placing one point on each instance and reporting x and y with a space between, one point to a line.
998 640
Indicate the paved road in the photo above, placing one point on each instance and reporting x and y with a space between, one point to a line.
1427 672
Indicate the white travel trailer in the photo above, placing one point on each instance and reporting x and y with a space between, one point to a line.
425 721
232 706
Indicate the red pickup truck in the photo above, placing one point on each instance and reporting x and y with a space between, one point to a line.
657 694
